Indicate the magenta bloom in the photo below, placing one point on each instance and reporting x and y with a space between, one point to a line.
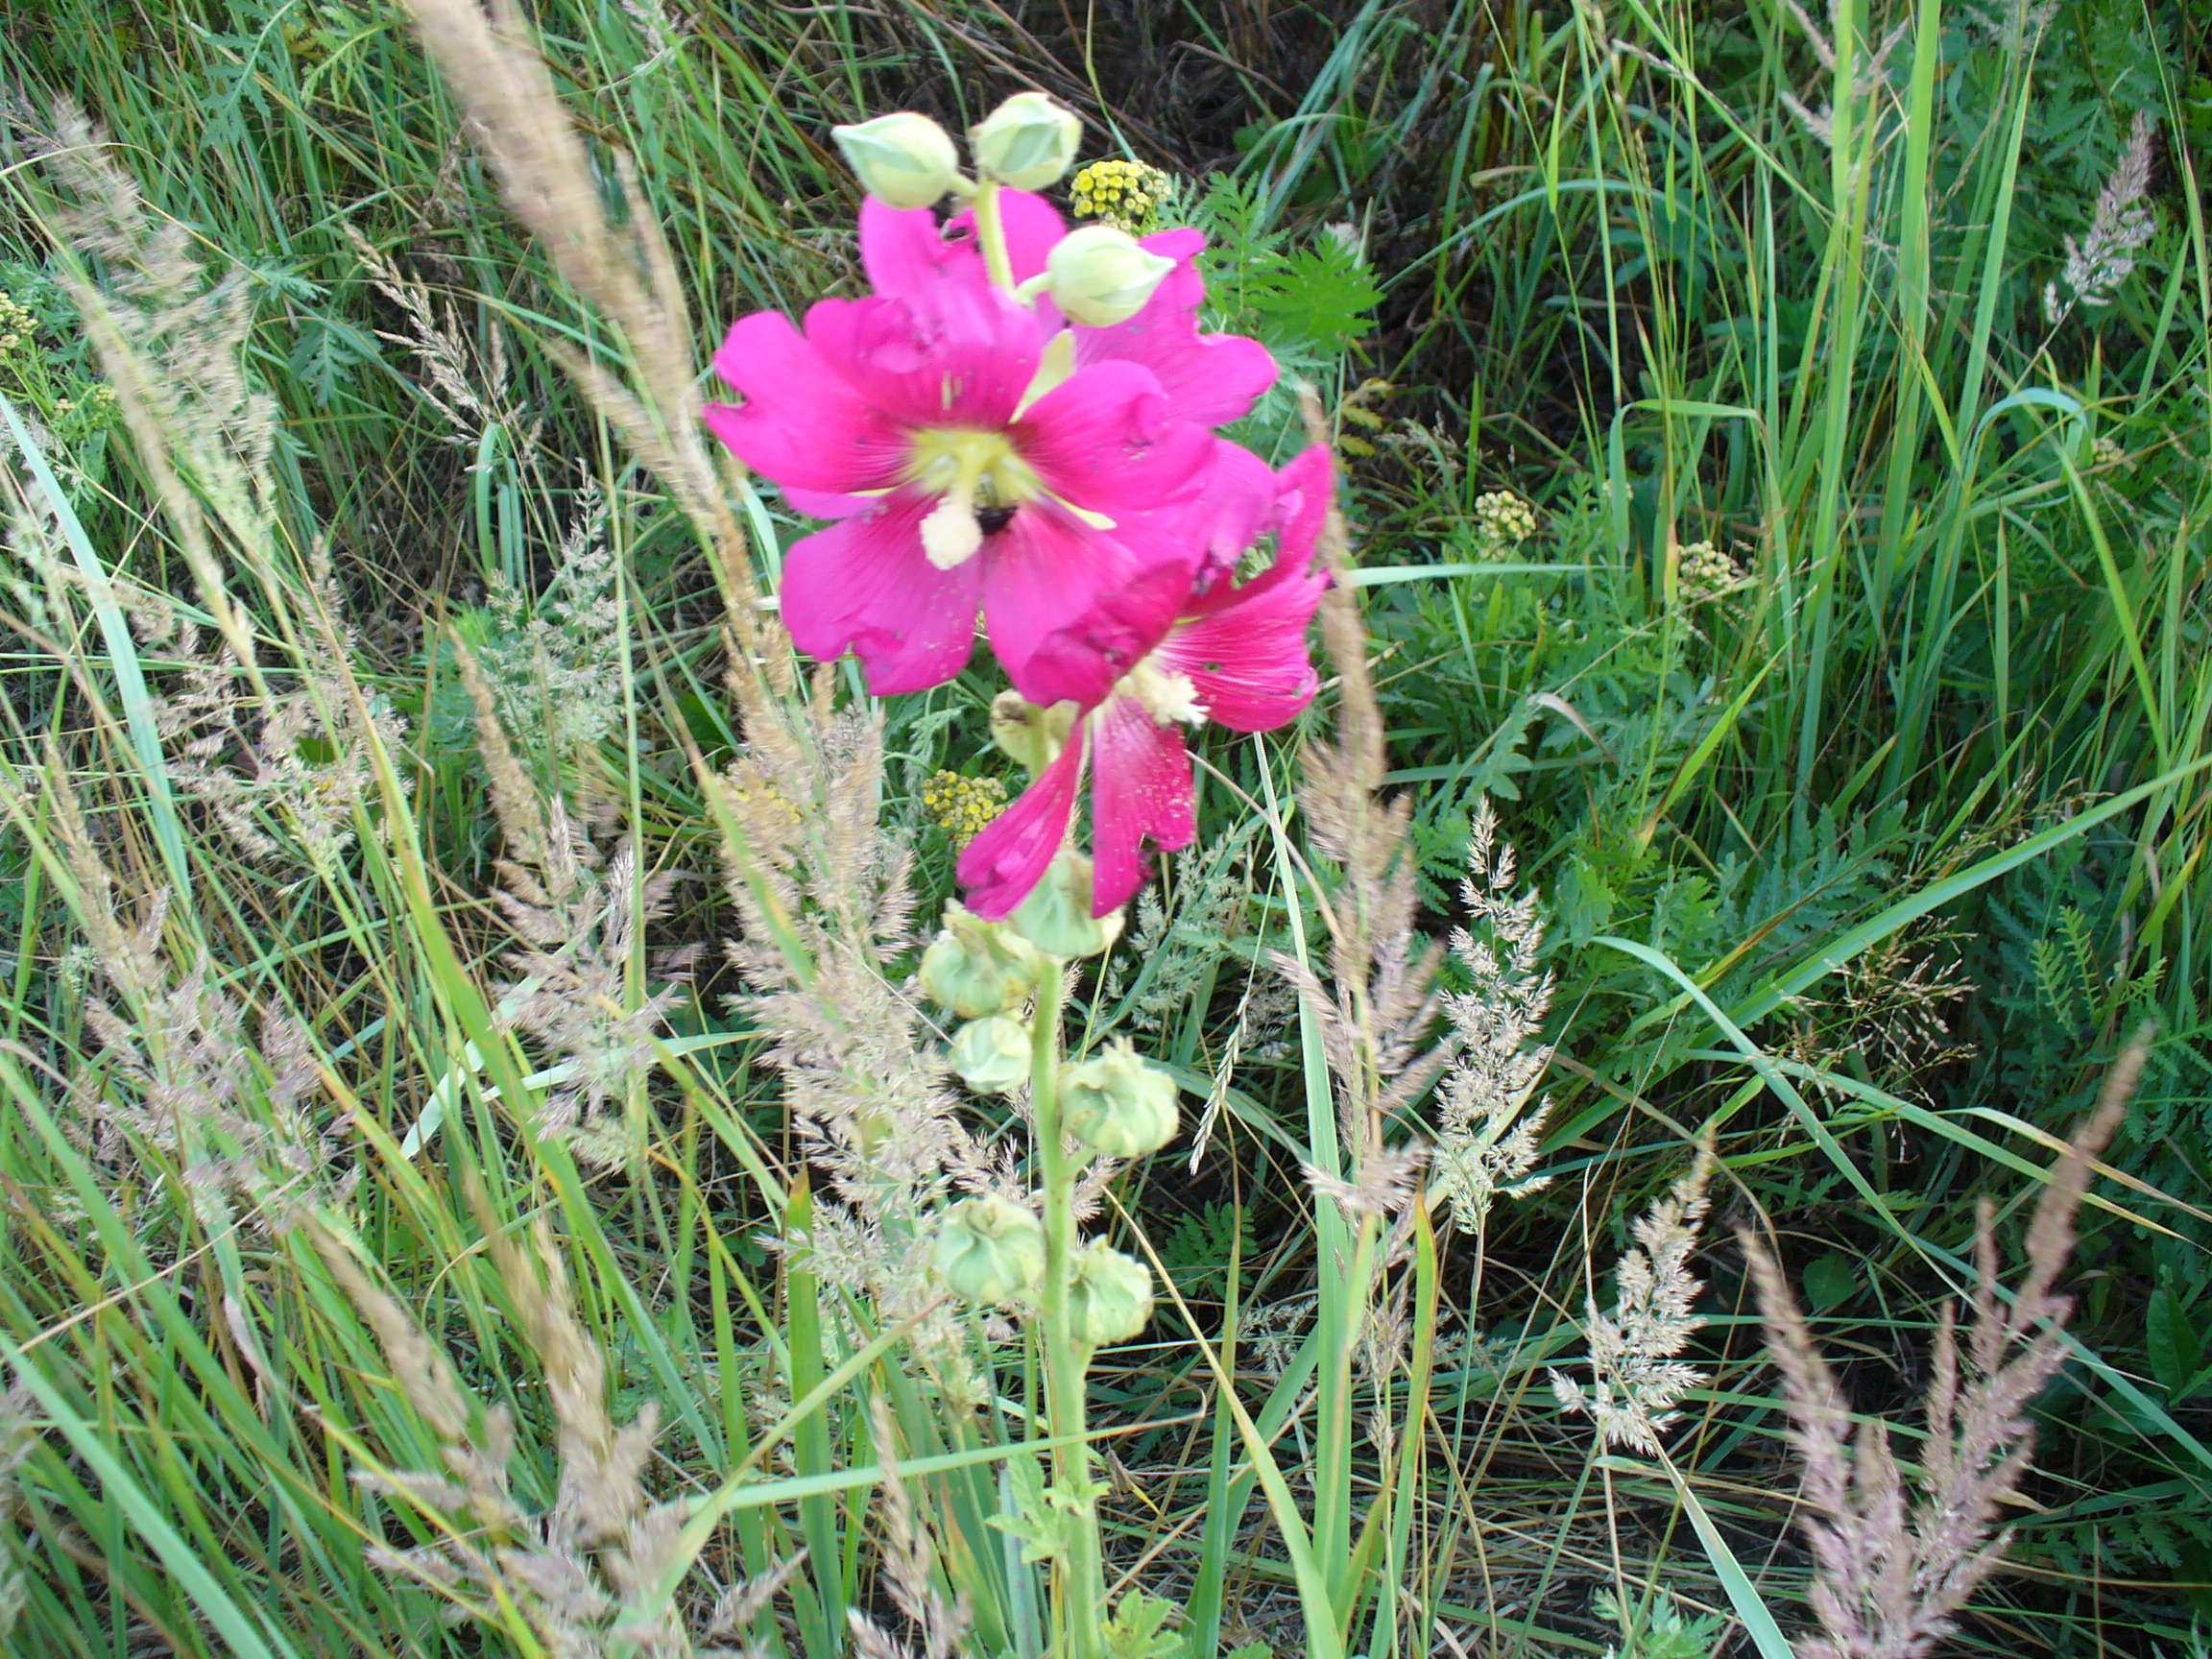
980 454
1151 657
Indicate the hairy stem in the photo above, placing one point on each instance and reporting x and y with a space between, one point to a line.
1082 1587
991 233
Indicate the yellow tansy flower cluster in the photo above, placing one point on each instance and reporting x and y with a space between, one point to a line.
16 326
1503 521
1123 194
961 806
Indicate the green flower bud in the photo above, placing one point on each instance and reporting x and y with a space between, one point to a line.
977 968
1032 735
990 1250
1118 1105
903 160
1027 142
1101 276
991 1055
1056 917
1110 1297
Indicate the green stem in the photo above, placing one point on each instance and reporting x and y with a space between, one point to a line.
1082 1585
990 232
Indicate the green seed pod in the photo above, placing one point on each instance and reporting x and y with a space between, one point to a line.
1027 142
990 1250
1100 277
977 968
1056 917
991 1055
1110 1299
1118 1105
902 159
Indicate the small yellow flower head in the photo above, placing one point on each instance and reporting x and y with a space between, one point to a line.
1126 195
2109 453
961 806
1702 572
1503 521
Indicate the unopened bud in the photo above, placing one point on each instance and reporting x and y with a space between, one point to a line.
1027 142
1101 276
1032 735
904 159
1118 1104
990 1250
1110 1298
1056 917
991 1055
977 968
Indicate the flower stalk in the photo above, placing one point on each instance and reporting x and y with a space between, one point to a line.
991 233
1081 1604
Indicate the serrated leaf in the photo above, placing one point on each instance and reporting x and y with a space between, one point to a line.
2176 1353
1133 1632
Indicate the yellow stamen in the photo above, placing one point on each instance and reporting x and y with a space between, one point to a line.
1166 696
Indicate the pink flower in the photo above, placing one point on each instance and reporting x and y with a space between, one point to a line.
1150 658
982 454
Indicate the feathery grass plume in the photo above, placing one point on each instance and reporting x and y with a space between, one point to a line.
1485 1138
1892 1565
2123 227
908 1564
490 60
171 343
1869 68
556 667
466 385
1384 1001
297 760
181 1073
580 1572
825 907
1635 1375
576 919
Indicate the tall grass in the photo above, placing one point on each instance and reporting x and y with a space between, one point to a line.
355 1307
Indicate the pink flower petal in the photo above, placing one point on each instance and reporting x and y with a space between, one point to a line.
1210 379
1080 661
902 250
1005 862
865 585
1102 440
955 354
1244 648
1212 528
1139 791
800 423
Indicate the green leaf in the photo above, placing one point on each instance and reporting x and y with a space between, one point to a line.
1133 1632
2176 1353
1829 1282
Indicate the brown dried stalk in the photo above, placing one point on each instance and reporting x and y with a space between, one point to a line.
1892 1563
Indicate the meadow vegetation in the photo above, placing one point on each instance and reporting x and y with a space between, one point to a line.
1692 1052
